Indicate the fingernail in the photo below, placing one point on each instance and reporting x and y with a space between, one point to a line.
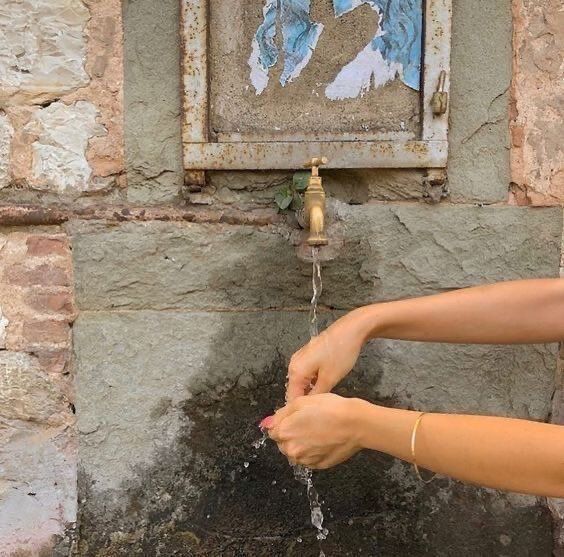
266 422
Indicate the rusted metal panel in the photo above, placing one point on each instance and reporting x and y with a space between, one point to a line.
237 152
293 155
438 17
195 74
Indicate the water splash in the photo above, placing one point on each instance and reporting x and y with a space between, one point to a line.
260 442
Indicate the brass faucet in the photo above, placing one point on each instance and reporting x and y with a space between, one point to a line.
315 204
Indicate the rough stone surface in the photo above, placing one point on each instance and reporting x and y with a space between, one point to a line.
387 252
37 458
537 155
6 133
59 151
245 190
479 98
36 295
152 97
42 49
67 39
168 404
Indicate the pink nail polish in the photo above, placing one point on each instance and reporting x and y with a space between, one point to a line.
266 422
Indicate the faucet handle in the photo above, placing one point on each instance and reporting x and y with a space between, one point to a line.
315 163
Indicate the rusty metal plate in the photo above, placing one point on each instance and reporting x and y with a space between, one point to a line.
372 118
294 155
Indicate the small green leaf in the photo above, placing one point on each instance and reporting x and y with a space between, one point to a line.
300 180
283 198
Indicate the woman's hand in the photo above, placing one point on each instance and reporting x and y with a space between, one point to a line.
318 431
327 358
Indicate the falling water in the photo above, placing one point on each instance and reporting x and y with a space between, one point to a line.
317 286
301 473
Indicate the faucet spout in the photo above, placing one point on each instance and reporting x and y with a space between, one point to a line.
315 205
317 235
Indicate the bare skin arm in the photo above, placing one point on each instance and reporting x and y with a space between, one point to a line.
527 311
321 431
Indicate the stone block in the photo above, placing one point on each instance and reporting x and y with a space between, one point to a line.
43 49
537 156
388 252
27 394
152 101
478 168
168 405
62 133
37 490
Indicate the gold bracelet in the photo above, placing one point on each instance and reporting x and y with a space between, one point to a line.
414 460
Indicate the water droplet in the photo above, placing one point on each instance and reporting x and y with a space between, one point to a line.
299 540
273 482
246 464
284 490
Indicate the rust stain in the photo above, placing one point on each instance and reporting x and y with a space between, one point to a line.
36 215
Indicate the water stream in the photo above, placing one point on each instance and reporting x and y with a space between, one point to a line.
303 474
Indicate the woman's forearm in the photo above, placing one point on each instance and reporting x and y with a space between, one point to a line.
502 453
526 311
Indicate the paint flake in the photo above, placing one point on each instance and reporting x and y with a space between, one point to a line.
395 50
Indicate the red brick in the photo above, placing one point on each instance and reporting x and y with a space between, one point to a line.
60 303
41 246
52 361
45 275
45 332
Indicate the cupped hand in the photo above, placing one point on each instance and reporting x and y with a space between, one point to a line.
318 431
326 359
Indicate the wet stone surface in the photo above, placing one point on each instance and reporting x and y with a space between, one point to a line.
195 497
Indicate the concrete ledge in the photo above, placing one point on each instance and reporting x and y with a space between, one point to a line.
388 252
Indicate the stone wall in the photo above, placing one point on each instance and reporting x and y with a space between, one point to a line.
537 155
61 76
189 299
38 457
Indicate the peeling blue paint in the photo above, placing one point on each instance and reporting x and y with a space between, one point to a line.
400 41
394 51
266 34
300 37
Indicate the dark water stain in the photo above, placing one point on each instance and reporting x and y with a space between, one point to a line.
198 499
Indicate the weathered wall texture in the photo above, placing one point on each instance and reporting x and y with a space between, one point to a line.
60 97
189 311
38 445
537 153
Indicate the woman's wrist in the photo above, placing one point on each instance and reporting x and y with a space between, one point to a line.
372 321
383 429
366 423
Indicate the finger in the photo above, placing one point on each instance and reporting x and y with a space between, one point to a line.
274 431
274 434
283 413
322 385
301 374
